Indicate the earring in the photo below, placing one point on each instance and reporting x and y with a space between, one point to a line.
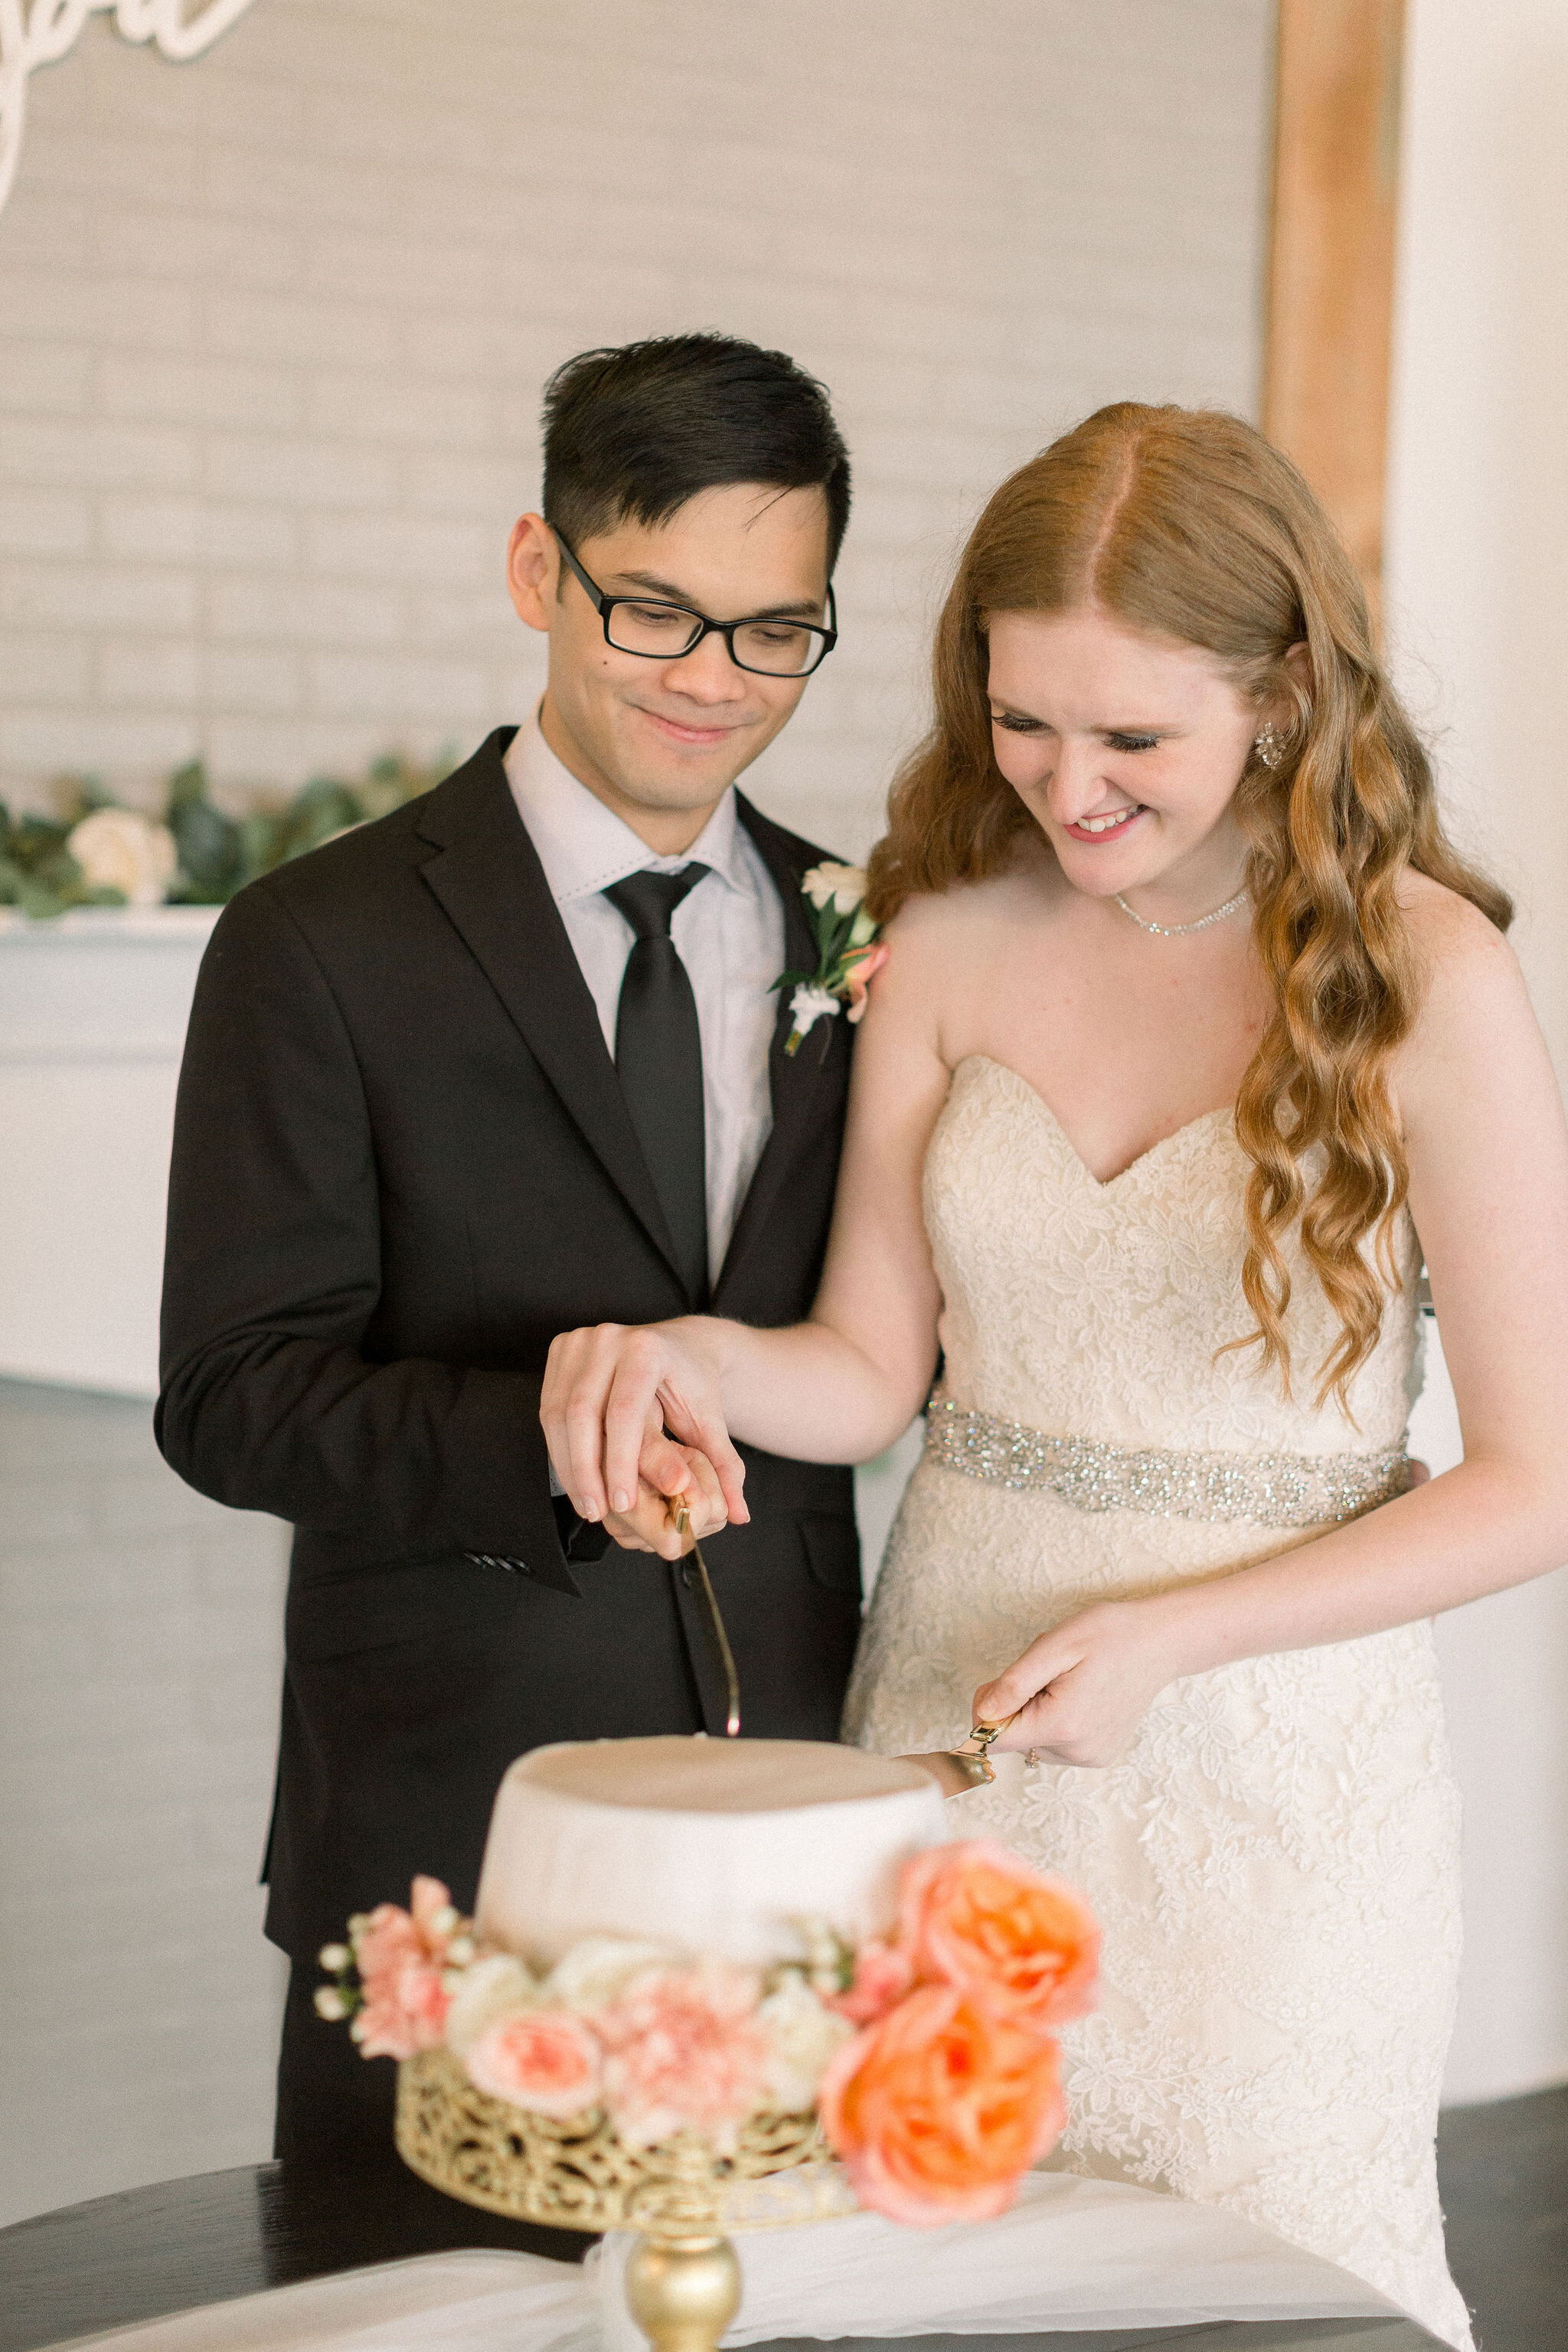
1268 744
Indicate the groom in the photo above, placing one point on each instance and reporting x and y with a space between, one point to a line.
504 1064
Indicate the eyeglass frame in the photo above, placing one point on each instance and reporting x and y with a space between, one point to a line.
604 605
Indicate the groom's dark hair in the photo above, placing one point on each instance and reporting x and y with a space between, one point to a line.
633 433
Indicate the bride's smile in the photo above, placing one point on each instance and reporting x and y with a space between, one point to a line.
1127 750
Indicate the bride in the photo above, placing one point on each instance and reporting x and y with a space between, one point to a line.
1192 1020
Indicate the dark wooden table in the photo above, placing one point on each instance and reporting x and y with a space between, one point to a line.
152 2252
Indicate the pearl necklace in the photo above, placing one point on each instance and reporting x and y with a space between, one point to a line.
1181 930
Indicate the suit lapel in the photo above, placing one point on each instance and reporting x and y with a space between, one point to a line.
807 1086
487 876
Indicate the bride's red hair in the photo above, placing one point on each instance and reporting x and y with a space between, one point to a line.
1188 524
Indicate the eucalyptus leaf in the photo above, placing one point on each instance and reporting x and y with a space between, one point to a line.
209 842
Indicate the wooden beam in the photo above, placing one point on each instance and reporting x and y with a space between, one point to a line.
1331 275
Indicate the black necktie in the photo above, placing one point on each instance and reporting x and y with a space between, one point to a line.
658 1053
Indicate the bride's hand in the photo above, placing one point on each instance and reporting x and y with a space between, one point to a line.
1080 1692
610 1391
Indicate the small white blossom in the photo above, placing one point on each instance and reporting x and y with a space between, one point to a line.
493 1987
596 1971
803 2036
842 888
331 2004
333 1958
809 1005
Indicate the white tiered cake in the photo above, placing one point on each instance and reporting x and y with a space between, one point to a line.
707 1845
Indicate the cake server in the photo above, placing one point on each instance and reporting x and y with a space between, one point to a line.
715 1624
968 1766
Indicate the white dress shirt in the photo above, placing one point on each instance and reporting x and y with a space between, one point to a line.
729 931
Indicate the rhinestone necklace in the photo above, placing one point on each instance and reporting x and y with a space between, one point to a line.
1181 930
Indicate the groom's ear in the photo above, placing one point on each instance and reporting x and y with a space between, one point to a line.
533 571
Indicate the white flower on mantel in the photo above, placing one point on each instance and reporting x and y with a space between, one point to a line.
120 849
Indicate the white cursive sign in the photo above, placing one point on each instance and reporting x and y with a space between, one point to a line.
39 34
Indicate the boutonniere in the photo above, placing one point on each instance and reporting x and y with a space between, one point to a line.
849 951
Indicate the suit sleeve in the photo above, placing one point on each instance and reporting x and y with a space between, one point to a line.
272 1272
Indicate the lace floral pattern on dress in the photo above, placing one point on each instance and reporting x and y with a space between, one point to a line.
1275 1861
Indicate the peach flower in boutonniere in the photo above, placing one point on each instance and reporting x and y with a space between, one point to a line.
848 952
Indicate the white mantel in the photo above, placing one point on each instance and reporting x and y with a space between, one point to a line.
93 1009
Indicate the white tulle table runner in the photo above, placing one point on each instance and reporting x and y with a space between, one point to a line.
1071 2254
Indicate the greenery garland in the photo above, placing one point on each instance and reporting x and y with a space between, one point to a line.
213 855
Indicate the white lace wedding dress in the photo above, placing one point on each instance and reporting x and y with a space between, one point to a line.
1275 1863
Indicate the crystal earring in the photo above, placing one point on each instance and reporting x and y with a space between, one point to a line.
1268 744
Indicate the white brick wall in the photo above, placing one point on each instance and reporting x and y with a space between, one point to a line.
273 325
139 1667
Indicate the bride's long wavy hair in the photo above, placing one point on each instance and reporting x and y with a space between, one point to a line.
1188 524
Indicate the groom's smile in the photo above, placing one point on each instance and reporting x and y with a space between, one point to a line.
660 739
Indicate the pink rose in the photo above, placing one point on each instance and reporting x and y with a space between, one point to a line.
882 1975
684 2047
400 1956
545 2059
859 973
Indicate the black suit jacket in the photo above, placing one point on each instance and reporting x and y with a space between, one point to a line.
402 1164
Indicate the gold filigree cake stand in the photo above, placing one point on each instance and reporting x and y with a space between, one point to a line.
683 2283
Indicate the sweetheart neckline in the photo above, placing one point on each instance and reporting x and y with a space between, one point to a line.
1101 1183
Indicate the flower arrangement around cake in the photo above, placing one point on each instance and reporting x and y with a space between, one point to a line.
930 2055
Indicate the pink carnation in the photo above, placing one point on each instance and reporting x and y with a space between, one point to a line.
545 2059
882 1975
400 1956
684 2049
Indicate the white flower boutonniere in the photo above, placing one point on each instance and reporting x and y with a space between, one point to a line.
849 951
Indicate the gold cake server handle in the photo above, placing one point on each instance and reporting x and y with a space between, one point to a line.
715 1623
968 1766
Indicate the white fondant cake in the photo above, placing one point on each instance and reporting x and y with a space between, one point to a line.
712 1846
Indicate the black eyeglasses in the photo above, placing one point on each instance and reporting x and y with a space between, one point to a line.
661 632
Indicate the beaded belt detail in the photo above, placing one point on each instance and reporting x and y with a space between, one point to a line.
1270 1490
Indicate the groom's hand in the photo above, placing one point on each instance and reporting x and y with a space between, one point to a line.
610 1393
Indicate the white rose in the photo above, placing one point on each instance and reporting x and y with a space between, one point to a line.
598 1971
842 888
805 2036
120 849
490 1988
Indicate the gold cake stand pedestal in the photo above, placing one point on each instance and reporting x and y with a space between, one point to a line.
683 2282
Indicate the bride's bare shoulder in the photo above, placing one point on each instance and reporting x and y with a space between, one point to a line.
1472 989
1459 947
972 919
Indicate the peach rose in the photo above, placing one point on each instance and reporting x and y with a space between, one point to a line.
882 1975
975 1916
545 2059
401 1956
685 2047
938 2111
860 974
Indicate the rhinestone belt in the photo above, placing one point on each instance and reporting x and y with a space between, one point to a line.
1270 1490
